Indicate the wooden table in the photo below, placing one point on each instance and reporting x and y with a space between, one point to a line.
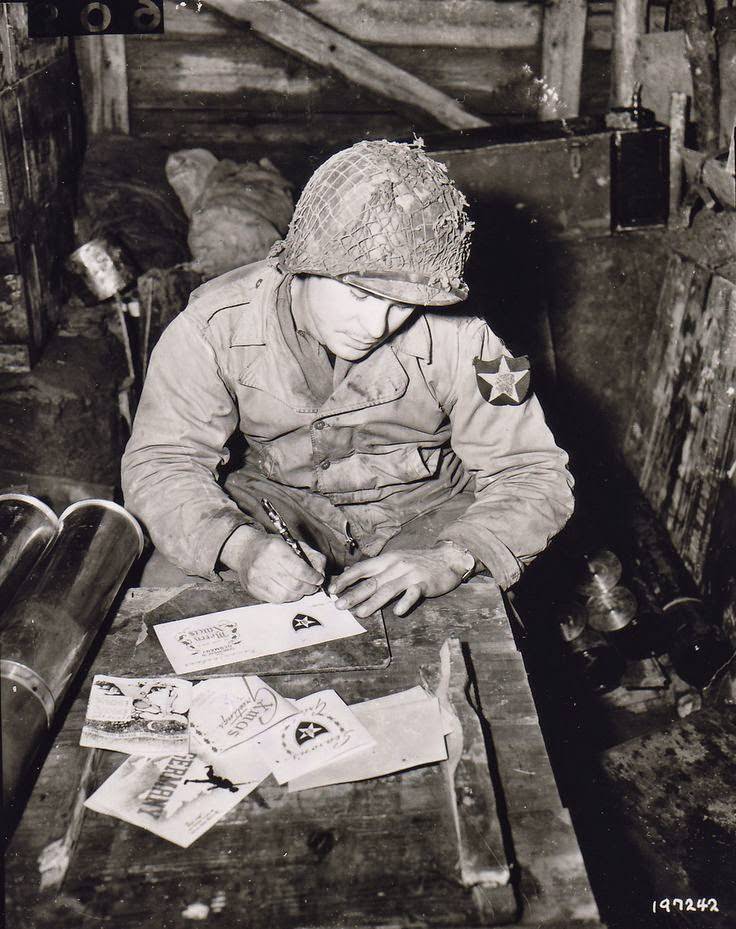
479 840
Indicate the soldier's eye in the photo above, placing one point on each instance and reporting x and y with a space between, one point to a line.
359 294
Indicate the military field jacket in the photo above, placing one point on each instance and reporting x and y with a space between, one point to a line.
406 429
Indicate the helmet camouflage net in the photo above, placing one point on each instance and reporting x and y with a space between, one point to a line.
385 217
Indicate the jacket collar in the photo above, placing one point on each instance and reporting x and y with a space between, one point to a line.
379 378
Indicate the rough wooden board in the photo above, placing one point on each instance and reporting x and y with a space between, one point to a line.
467 23
378 853
563 39
297 33
681 434
239 72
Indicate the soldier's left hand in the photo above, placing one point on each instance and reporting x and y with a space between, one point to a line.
412 574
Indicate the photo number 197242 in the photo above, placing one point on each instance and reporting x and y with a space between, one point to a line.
53 18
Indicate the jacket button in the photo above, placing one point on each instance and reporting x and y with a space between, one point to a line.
319 425
325 464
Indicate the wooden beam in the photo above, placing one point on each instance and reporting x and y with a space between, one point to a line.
701 51
104 83
297 33
563 39
629 22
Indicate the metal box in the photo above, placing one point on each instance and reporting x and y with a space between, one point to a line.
572 177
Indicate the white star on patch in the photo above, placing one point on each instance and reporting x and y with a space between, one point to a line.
301 624
504 381
310 731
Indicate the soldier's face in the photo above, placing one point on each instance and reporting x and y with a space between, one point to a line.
349 321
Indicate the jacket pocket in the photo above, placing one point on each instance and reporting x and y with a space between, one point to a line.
372 471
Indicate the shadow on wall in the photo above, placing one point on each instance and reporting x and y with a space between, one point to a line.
514 274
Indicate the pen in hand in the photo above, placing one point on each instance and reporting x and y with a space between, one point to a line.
284 532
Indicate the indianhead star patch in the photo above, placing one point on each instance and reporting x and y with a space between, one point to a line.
504 380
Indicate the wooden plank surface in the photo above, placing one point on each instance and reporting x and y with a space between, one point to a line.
282 25
680 440
455 23
384 852
237 71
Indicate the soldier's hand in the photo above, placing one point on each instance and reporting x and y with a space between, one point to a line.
269 570
411 574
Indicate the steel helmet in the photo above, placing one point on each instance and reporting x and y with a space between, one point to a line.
385 217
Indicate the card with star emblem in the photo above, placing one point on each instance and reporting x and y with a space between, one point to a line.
229 710
230 636
408 729
324 729
504 380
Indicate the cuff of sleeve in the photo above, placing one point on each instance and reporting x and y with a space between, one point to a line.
212 537
487 548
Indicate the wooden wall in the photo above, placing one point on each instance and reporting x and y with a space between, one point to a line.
211 82
39 157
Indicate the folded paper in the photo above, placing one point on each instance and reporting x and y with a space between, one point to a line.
177 798
229 710
322 730
241 634
407 729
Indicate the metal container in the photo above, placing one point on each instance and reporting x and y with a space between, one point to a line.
26 527
53 619
103 266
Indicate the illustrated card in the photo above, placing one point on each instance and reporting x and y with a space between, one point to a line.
140 716
408 731
243 764
323 730
178 797
228 710
250 632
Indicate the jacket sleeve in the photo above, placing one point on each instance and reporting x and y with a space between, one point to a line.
523 490
169 468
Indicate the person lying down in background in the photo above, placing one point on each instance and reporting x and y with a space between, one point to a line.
398 440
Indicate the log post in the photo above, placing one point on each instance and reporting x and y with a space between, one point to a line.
629 21
692 16
104 83
563 39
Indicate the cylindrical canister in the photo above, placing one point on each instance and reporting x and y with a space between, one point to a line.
53 619
26 527
104 267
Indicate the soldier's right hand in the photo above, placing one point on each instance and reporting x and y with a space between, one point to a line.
269 570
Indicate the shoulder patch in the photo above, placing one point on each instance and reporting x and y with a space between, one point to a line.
504 380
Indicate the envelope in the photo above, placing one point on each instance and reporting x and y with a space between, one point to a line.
228 710
408 730
241 634
323 729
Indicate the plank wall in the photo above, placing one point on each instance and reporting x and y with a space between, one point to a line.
39 157
209 82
